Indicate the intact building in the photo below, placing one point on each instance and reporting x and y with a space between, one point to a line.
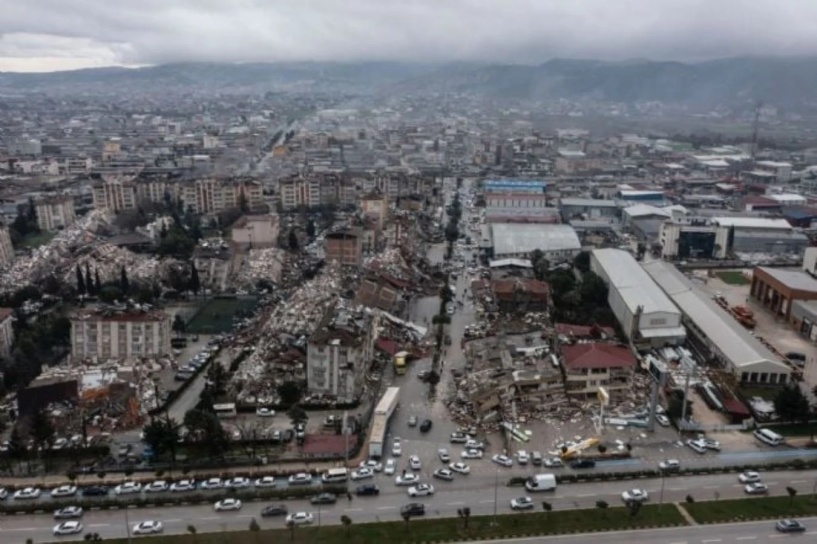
715 334
339 353
693 240
557 242
118 334
647 316
55 212
589 366
762 235
588 208
776 289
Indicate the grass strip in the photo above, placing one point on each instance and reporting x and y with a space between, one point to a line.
441 529
724 511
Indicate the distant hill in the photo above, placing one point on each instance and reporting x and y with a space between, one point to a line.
789 83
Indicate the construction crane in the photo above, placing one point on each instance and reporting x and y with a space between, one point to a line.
755 126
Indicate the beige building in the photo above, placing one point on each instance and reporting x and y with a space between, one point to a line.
6 249
256 231
55 212
114 195
375 205
6 331
593 365
106 335
297 191
344 247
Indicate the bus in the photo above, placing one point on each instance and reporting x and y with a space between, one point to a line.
225 410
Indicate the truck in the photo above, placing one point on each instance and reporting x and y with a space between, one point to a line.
541 482
380 422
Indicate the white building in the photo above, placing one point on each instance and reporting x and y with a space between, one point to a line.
781 170
716 333
645 313
6 331
299 191
558 242
256 231
55 212
106 335
6 249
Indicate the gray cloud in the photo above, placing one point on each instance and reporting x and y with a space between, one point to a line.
48 34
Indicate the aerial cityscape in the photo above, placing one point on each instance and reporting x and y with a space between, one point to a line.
372 272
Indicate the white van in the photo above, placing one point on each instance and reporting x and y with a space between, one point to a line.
541 482
768 437
335 475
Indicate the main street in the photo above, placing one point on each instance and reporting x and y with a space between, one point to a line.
484 496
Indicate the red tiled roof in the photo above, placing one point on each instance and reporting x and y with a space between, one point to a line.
583 331
735 407
387 345
535 287
594 355
5 313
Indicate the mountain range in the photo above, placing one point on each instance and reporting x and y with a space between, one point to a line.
788 83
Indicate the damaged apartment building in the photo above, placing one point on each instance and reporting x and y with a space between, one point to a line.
339 353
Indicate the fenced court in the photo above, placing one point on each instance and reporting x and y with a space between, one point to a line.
217 315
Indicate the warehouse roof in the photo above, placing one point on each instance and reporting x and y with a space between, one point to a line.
589 202
642 210
752 222
735 342
793 279
515 238
632 282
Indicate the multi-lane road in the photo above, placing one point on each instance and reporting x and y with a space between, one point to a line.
484 495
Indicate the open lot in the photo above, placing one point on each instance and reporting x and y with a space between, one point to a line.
216 315
733 277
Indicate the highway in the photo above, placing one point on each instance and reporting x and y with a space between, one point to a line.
472 491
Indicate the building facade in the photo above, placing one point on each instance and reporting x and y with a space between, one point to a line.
6 248
55 212
256 231
108 335
684 241
776 289
6 331
590 366
344 247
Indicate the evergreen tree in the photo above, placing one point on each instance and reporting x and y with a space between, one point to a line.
124 284
89 280
310 229
97 283
163 231
195 283
81 289
293 240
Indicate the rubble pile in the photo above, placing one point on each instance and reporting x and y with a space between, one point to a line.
109 259
282 335
260 264
55 255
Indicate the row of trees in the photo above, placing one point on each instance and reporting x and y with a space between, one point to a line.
582 299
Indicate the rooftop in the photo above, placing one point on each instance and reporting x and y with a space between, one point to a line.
793 279
588 202
121 315
594 355
752 223
515 238
631 281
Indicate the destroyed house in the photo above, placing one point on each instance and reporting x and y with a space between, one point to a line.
520 295
592 365
339 353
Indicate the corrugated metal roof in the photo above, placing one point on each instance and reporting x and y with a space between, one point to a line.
515 238
632 282
752 222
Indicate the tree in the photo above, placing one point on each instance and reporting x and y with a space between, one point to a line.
205 426
406 517
195 283
602 449
347 522
293 240
310 229
465 514
81 287
89 281
192 530
634 507
97 282
161 435
582 262
297 414
602 505
291 525
547 507
42 431
593 291
791 404
792 493
290 393
179 325
124 283
255 528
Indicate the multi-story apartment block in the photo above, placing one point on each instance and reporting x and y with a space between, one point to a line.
6 331
375 206
55 212
593 365
344 247
113 334
339 354
297 191
6 249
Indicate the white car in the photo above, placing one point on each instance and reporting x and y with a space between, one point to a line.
212 483
299 518
4 493
147 528
64 491
227 505
371 464
474 445
670 465
461 468
749 477
414 463
128 488
554 462
635 495
362 473
158 486
421 490
444 456
443 474
662 420
67 528
183 485
69 512
27 493
502 460
522 457
698 446
471 454
408 478
239 482
397 447
522 503
756 488
300 478
458 438
266 481
265 412
390 467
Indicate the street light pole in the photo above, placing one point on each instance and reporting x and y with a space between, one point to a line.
663 481
496 492
127 524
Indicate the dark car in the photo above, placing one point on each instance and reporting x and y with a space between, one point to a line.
274 510
795 356
287 436
583 463
324 498
367 490
95 491
790 526
413 509
425 426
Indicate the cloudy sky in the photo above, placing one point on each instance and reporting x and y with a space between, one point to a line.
46 35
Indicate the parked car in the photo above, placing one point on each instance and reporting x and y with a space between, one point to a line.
274 510
412 421
458 438
522 503
670 465
27 493
183 485
64 491
408 478
301 478
502 460
265 412
390 467
414 463
471 454
421 490
425 426
324 498
397 447
372 464
698 446
238 482
95 491
265 481
582 463
461 468
362 473
663 420
68 512
444 456
554 462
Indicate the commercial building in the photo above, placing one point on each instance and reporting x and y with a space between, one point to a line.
255 231
557 242
516 200
776 288
810 261
6 331
693 240
345 247
55 212
518 186
496 214
520 295
589 366
647 316
117 334
339 353
588 208
6 248
781 171
803 318
714 334
762 235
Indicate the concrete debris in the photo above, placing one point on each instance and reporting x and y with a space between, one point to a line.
261 264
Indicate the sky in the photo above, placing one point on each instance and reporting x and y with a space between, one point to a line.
50 35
